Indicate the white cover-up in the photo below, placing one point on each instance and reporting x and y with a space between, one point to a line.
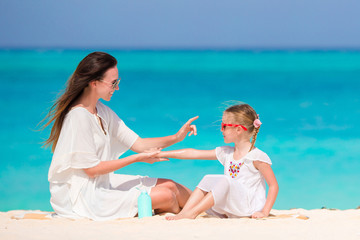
241 191
83 144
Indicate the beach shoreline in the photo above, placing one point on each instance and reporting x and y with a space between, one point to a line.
321 224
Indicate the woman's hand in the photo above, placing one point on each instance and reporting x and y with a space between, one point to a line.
259 215
150 156
181 134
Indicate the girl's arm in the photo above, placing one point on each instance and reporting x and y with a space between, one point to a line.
142 144
189 153
266 170
105 167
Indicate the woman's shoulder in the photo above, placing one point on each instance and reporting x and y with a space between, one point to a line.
78 111
78 116
104 111
102 107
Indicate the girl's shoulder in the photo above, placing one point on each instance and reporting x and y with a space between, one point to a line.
258 155
223 153
225 150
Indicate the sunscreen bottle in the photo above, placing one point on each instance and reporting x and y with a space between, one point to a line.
144 205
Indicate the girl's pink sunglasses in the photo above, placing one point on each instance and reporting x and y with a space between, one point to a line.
223 125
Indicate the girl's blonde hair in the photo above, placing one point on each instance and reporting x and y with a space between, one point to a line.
245 115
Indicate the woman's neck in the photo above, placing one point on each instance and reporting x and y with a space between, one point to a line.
87 100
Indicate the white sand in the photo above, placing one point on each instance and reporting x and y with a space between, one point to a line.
322 224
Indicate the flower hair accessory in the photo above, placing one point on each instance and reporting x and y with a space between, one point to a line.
257 122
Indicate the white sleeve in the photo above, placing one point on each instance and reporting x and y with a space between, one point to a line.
221 153
75 148
83 149
122 137
260 156
263 157
123 134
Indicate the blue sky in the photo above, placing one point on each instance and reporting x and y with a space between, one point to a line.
189 24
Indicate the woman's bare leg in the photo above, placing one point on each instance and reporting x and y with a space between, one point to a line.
181 192
164 200
206 203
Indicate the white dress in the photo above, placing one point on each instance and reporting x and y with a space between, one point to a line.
241 191
83 144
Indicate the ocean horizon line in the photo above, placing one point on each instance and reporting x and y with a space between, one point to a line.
185 49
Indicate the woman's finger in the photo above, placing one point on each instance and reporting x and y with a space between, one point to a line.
191 132
191 120
194 129
158 159
151 154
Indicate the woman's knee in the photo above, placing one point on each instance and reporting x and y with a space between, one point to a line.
163 196
170 197
169 184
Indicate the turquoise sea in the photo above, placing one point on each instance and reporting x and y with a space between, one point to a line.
308 101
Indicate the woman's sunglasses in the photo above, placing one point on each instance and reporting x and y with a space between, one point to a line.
113 84
223 125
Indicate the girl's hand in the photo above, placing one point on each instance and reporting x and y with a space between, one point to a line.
259 215
150 156
181 134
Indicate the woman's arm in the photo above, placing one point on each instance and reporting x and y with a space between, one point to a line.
105 167
189 153
266 170
142 144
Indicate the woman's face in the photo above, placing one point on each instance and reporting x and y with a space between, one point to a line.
105 87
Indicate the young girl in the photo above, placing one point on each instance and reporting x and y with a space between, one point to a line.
241 190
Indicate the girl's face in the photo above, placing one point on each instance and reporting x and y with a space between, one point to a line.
230 133
107 86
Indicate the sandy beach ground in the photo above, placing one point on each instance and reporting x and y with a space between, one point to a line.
322 224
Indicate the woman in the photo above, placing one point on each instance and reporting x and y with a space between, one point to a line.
87 139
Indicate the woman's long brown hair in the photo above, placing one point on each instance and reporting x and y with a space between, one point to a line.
91 68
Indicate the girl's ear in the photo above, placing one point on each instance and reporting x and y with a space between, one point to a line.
239 130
